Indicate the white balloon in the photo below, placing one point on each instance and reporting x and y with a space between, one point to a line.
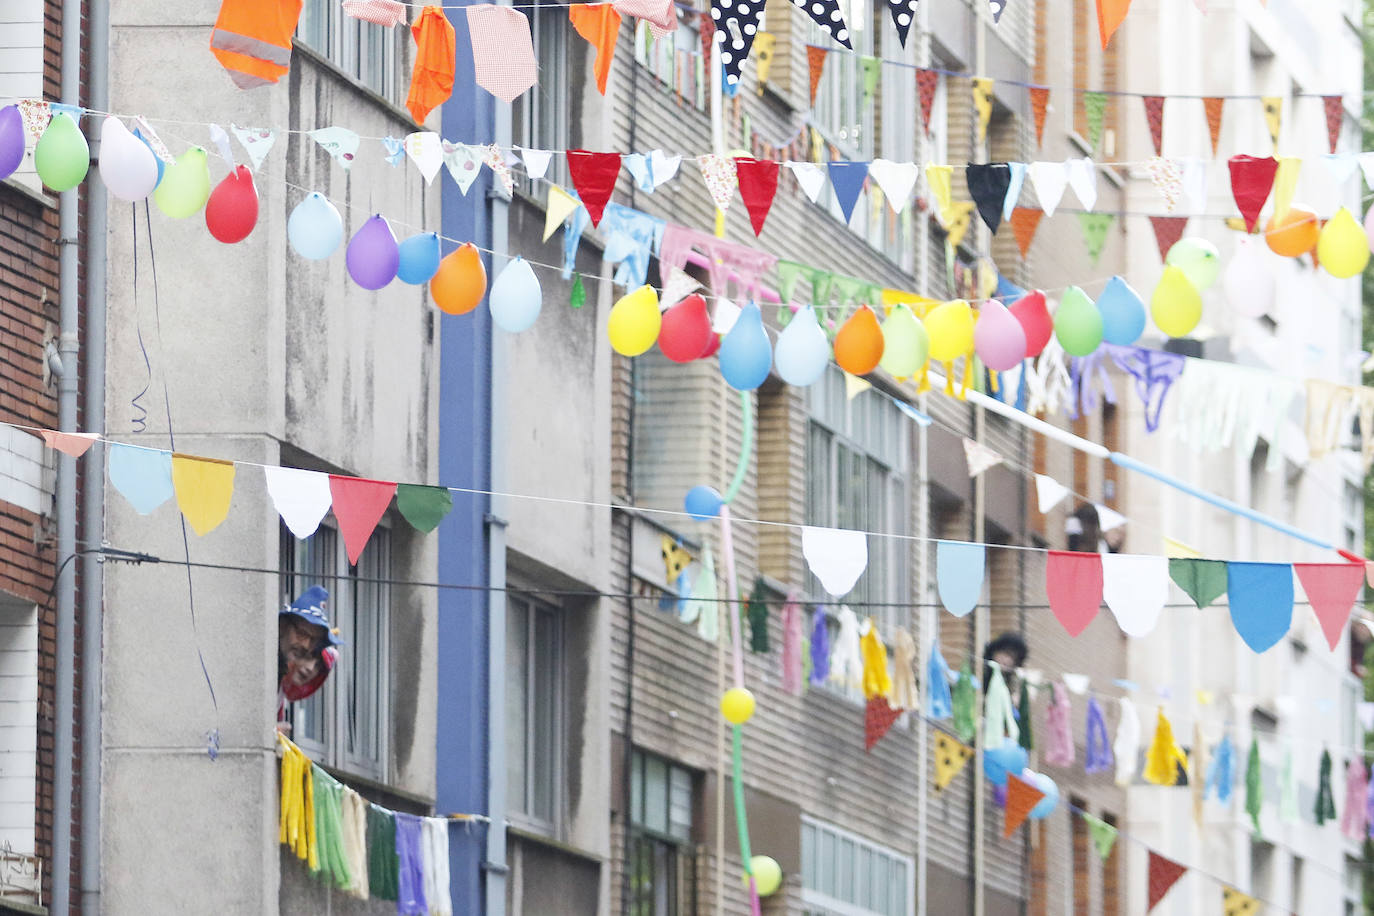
127 166
803 351
314 228
515 298
1249 280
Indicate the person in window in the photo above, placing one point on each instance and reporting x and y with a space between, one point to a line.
306 650
1009 652
1083 531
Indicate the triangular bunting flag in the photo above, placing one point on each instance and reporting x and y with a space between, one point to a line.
960 217
359 505
1021 798
988 184
758 184
1094 227
1040 101
301 498
1334 106
204 488
1110 15
1285 184
979 457
1273 117
872 71
143 476
536 160
1083 180
764 43
1103 835
847 178
1168 230
809 177
927 81
896 179
1024 222
1261 602
1094 107
1331 590
559 206
424 507
938 178
1212 107
339 142
827 15
959 570
998 7
1202 580
854 386
1234 903
74 444
815 63
1050 180
426 150
878 718
256 141
464 163
718 172
1154 116
1167 179
577 297
1135 589
593 175
737 23
1175 549
1018 178
950 757
1252 178
1073 583
1163 875
982 104
903 14
1048 493
599 25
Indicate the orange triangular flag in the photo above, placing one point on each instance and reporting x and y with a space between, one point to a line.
1110 15
1162 875
74 444
1040 100
1021 798
1213 108
1024 222
599 24
815 60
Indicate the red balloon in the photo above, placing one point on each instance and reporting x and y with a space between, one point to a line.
232 210
1030 310
686 330
712 346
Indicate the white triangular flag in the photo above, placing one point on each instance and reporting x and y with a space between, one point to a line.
1083 180
1340 166
496 161
339 142
727 313
679 286
1367 166
809 176
301 498
426 150
256 142
1018 179
536 161
1048 493
1135 589
979 457
464 163
1365 713
1108 518
896 179
221 141
1049 179
855 386
1077 683
1195 184
837 557
662 167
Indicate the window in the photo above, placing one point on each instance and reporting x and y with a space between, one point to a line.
539 117
843 875
367 52
345 724
663 877
21 76
675 60
857 457
534 711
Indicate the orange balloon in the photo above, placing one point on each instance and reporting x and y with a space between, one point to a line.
1294 234
459 284
859 344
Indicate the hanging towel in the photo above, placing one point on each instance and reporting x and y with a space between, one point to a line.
1059 730
1219 774
1254 787
792 637
846 658
297 819
1023 715
410 899
1126 748
355 842
820 646
436 867
999 722
1097 756
1325 809
1197 776
876 680
333 860
431 81
965 703
940 705
1164 756
904 694
383 865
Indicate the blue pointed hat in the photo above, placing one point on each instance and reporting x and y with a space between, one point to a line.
310 607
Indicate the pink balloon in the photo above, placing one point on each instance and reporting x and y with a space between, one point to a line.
998 338
1034 317
1369 227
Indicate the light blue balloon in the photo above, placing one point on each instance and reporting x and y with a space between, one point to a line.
745 356
315 228
515 298
999 761
1046 805
703 503
803 350
1123 313
419 259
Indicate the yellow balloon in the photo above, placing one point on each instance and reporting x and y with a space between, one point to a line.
185 185
1343 247
1176 305
767 875
950 328
634 322
737 705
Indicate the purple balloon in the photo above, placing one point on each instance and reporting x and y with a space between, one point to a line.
11 140
373 254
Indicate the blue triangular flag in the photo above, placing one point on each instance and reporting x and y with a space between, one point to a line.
142 475
959 575
1261 599
847 178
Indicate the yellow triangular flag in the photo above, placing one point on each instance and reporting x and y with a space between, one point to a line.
950 757
853 386
1285 183
1234 903
763 57
561 204
938 177
958 222
1273 117
982 103
1179 550
204 487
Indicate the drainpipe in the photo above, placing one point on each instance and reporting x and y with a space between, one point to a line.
93 493
64 714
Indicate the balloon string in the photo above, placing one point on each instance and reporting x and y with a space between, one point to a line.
741 817
746 403
727 545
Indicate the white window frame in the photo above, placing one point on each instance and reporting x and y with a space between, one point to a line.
678 797
364 51
823 895
550 741
540 117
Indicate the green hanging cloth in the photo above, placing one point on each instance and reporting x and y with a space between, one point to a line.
579 293
383 865
1023 709
1326 803
1254 791
1094 107
964 701
333 861
756 610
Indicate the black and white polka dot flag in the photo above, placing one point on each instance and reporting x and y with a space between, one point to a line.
736 22
903 15
827 15
997 7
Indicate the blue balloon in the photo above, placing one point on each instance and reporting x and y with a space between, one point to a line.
999 761
160 164
516 297
419 259
1123 313
314 228
745 355
1046 805
703 503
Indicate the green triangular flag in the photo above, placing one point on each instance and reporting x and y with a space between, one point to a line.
1203 580
1095 226
1094 104
873 69
1254 790
1023 707
423 507
789 272
579 293
756 611
964 703
1103 834
848 289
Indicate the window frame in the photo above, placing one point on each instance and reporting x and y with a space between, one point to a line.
555 707
540 117
677 849
350 45
649 53
817 900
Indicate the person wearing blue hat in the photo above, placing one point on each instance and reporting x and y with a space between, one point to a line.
306 649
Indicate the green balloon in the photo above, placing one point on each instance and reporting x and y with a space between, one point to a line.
1077 323
62 157
905 343
185 185
1198 259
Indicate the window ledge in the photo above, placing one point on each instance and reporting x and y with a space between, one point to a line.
359 782
376 98
532 836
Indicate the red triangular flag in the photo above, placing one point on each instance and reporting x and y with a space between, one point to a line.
593 176
815 60
927 81
1168 230
359 504
1252 178
1040 100
1073 582
1335 117
599 24
1021 798
74 444
1110 15
878 718
1213 108
1024 222
1163 874
1331 590
758 182
1154 113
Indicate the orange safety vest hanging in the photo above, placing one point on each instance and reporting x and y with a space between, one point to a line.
252 39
